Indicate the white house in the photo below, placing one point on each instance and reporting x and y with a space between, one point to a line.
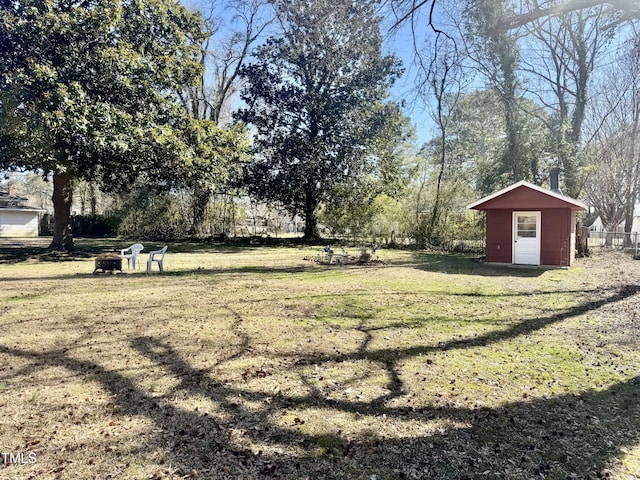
17 219
598 226
635 227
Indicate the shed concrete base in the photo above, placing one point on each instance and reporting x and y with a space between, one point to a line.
528 267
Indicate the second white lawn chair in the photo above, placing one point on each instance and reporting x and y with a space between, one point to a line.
158 257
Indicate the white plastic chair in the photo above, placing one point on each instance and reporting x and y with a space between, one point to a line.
132 258
153 257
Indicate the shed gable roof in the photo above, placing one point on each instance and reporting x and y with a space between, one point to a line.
526 196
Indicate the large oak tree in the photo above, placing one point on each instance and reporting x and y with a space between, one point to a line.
85 91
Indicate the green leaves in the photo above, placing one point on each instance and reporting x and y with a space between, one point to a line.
310 94
84 87
97 75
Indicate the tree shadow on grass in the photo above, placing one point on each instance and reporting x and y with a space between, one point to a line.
580 435
567 436
21 250
126 275
523 327
450 263
10 255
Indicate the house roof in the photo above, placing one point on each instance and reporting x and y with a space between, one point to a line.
21 209
551 198
15 203
7 198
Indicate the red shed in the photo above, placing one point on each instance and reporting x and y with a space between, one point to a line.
530 225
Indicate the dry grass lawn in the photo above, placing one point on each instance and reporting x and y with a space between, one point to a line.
256 363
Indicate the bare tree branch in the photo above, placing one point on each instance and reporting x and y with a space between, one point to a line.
406 9
631 7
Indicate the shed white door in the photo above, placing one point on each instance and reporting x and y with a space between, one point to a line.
526 238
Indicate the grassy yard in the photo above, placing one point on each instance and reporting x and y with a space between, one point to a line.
258 363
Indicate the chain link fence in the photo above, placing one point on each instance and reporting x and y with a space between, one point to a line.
629 242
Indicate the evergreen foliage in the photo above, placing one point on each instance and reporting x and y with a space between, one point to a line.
85 91
313 96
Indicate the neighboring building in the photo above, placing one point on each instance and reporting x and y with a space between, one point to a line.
16 219
598 227
530 225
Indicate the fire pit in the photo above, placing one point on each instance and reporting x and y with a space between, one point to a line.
108 262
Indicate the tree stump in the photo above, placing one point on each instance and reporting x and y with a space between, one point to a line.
582 241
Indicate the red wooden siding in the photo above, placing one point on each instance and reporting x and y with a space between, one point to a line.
555 233
499 236
557 243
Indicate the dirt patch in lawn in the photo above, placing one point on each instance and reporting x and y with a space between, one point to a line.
615 275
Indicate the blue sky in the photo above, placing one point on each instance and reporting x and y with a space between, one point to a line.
399 42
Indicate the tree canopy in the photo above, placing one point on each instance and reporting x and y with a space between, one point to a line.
313 97
85 90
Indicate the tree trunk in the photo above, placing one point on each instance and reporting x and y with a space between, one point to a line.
93 199
233 218
628 221
584 58
582 241
435 213
200 200
608 239
513 157
310 218
62 199
439 92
